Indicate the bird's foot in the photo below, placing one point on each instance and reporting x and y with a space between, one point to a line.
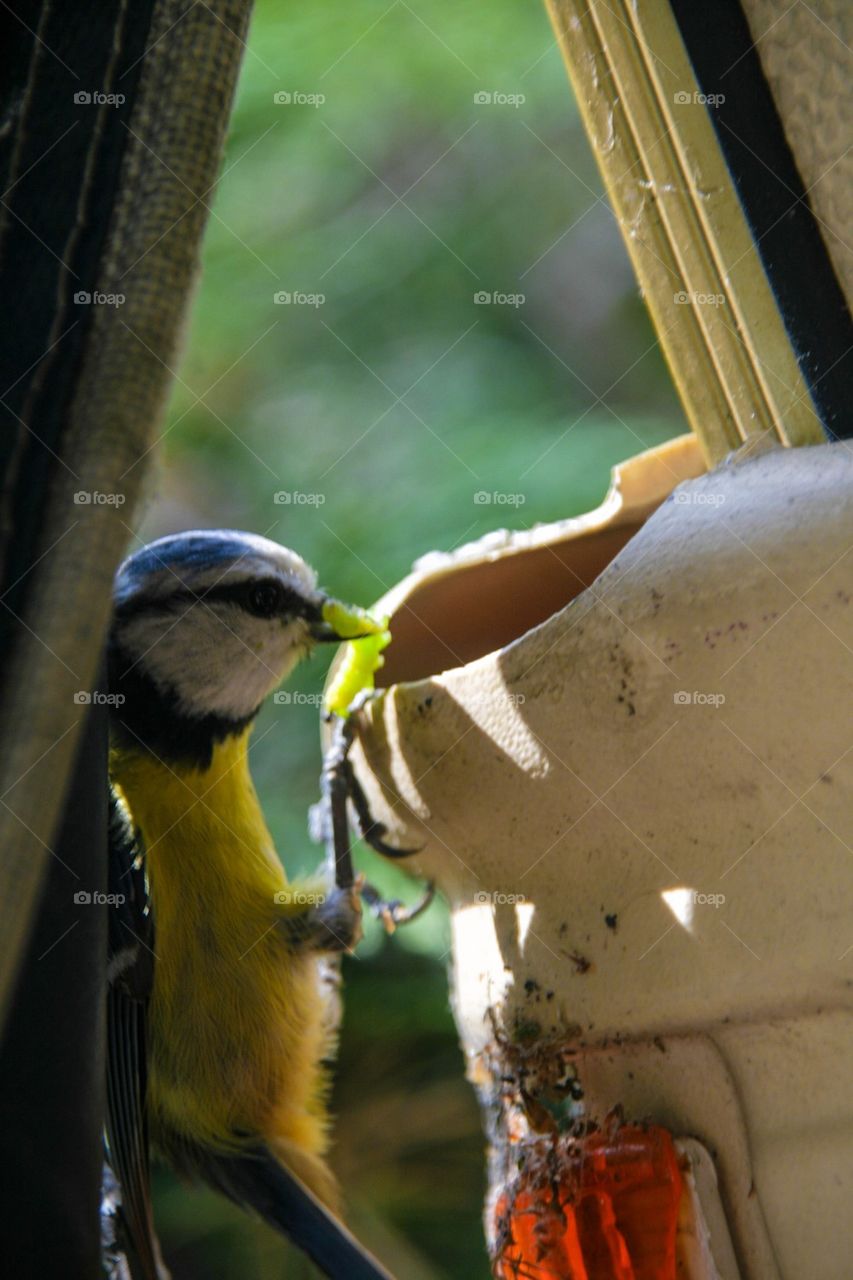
327 919
392 914
329 821
337 767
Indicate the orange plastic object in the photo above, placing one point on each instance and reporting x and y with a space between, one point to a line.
606 1209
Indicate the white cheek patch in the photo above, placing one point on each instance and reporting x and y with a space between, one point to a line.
216 657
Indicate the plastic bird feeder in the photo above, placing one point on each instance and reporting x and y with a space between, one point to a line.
622 744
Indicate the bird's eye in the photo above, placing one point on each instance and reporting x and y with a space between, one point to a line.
264 599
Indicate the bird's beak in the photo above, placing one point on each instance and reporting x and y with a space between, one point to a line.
338 621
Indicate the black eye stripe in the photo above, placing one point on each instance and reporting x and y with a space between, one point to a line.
284 600
266 600
288 602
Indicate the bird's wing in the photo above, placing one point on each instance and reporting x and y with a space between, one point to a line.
130 976
258 1182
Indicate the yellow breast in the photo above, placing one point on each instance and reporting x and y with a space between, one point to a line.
239 1022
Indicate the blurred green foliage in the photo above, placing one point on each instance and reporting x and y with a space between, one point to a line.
379 413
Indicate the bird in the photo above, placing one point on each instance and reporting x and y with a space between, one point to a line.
223 999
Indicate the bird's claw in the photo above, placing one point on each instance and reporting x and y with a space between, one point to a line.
393 914
372 834
340 785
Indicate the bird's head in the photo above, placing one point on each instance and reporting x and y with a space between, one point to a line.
207 623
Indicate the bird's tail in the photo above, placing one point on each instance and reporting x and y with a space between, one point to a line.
309 1169
258 1182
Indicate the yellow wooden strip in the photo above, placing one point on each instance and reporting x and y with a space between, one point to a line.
690 244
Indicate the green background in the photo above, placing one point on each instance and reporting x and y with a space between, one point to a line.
381 412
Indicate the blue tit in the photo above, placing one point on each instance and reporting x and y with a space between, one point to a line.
223 1006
